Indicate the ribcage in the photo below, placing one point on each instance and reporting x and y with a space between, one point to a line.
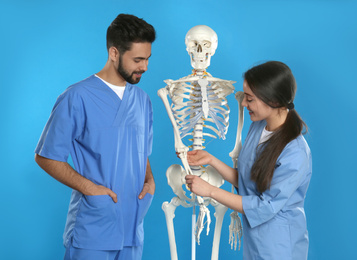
188 100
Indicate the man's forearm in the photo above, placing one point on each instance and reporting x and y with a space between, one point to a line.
65 174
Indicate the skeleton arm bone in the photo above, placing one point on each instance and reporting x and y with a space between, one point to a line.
180 148
235 228
238 145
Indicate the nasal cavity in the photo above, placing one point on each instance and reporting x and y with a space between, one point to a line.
199 48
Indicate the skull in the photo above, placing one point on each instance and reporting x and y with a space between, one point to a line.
201 43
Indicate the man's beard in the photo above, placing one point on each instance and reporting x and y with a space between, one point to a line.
126 75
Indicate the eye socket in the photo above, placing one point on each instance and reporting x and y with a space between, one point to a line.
192 44
206 44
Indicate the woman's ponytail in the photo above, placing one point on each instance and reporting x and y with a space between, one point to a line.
274 84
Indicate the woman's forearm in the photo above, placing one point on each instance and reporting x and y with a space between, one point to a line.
230 200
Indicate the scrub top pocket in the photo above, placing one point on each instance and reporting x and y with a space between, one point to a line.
98 225
144 205
140 138
277 238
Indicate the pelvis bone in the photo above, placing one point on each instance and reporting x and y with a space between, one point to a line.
176 179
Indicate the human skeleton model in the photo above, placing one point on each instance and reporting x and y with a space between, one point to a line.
199 109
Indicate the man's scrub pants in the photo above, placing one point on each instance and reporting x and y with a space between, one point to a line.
127 253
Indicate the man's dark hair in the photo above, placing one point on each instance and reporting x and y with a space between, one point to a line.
126 29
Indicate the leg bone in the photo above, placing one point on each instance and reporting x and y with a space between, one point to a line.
219 215
169 209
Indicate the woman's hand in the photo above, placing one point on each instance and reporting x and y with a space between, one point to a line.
199 186
199 157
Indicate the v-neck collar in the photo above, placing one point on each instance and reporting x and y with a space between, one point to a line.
122 103
110 91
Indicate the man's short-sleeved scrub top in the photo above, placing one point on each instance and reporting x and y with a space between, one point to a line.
109 141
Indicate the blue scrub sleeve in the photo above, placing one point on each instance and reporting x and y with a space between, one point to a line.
64 125
293 165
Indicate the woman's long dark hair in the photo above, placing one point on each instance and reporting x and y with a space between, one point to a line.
274 83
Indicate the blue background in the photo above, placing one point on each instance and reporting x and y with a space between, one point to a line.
48 45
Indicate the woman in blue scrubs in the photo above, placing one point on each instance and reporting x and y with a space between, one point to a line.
274 169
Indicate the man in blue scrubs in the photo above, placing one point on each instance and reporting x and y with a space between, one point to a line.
104 123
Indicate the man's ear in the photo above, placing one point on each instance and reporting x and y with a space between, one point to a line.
113 54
